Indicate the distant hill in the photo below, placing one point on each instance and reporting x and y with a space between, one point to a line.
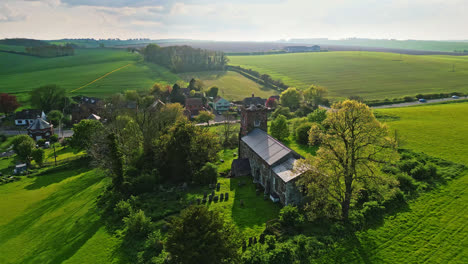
23 42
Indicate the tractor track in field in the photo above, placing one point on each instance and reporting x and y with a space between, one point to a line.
102 77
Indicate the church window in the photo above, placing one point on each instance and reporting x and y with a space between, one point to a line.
257 123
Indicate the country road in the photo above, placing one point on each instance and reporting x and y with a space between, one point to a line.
417 103
63 133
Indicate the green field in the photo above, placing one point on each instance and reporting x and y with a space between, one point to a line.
433 228
20 74
372 75
232 85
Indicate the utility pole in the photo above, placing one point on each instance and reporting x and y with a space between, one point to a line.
55 156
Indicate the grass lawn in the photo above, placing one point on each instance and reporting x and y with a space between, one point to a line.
372 75
52 218
432 229
232 85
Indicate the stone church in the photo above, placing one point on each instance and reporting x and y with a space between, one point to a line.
269 162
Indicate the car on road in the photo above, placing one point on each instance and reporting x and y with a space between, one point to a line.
422 100
455 97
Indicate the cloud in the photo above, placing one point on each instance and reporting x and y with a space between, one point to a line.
7 14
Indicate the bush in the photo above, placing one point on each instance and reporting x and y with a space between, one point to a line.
137 224
424 172
317 116
281 110
290 216
123 209
315 135
207 174
41 142
408 165
372 211
302 133
407 183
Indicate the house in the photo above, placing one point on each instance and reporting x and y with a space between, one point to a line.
301 48
220 104
27 116
85 107
248 101
272 164
40 129
193 106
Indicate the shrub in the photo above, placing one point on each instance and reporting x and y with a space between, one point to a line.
407 183
207 174
317 116
424 172
281 110
41 142
290 216
372 211
302 133
315 135
408 165
137 224
123 209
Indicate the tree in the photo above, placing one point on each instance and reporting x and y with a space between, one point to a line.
205 117
200 235
314 134
49 97
55 116
8 103
290 216
212 92
302 133
279 128
196 84
208 174
281 110
23 145
271 102
84 132
38 155
228 130
317 116
291 98
314 95
353 150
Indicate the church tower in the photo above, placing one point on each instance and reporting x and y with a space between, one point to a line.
254 116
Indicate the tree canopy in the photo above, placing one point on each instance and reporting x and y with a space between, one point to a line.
49 97
352 151
279 128
8 103
291 98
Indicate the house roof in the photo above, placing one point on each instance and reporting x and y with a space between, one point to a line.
28 114
39 124
219 99
267 147
285 170
194 101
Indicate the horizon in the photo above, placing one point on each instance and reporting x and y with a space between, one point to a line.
254 20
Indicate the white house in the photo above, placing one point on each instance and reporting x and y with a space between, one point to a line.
26 117
220 104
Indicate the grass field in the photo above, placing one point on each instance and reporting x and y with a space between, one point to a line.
433 228
232 85
372 75
20 74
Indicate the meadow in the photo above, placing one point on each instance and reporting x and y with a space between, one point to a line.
232 85
432 228
371 75
112 70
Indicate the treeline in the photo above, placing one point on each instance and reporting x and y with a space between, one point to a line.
23 42
185 58
50 51
257 77
406 99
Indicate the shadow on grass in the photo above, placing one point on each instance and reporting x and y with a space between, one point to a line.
256 211
58 226
59 173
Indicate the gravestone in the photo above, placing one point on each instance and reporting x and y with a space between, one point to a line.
215 198
226 196
221 197
262 239
255 240
205 194
250 241
218 186
210 198
213 193
204 201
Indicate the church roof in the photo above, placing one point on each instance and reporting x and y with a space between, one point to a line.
285 170
39 124
267 147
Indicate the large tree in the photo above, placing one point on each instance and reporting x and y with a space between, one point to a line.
352 151
49 97
291 98
85 133
8 103
205 117
314 95
200 235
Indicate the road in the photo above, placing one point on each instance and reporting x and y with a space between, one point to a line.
417 103
63 133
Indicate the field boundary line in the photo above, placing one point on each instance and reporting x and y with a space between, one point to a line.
105 75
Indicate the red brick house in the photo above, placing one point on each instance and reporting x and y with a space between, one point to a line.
40 129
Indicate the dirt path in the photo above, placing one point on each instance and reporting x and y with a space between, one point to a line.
417 103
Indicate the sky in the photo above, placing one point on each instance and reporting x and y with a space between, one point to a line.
238 20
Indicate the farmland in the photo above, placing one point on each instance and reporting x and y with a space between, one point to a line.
432 229
20 74
232 85
371 75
